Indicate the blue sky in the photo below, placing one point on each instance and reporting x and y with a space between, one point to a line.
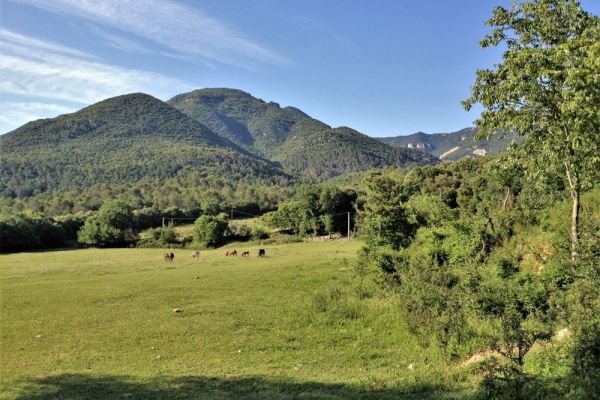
384 67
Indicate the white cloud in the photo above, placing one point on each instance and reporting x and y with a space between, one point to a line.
183 30
24 44
66 74
16 113
44 72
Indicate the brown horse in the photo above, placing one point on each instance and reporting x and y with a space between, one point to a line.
231 253
169 256
261 252
246 254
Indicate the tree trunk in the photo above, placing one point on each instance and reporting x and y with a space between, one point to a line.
507 197
575 188
575 224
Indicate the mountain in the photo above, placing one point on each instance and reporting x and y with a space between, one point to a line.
452 146
211 137
120 140
303 145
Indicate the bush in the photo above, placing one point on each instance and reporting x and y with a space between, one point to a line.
259 233
72 223
210 230
29 232
239 231
111 226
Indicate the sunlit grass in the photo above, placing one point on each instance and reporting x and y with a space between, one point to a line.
106 317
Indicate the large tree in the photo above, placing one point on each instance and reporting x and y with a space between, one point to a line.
547 88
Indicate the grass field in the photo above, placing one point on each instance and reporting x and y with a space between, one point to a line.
99 324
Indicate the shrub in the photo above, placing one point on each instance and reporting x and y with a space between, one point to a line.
111 226
259 233
28 232
210 230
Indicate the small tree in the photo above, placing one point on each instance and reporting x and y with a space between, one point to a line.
327 221
168 234
110 226
547 88
386 220
210 230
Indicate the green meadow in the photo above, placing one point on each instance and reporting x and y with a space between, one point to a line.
102 324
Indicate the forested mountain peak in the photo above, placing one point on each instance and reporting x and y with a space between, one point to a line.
302 144
121 140
126 116
249 121
217 133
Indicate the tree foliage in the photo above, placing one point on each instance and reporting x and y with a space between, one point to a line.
28 231
210 230
386 221
547 88
111 226
314 209
455 243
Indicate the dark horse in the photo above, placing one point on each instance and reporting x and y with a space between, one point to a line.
169 256
261 252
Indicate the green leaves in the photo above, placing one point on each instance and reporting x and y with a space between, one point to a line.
210 230
546 88
111 226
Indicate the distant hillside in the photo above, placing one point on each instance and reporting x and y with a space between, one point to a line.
209 133
451 146
120 140
303 145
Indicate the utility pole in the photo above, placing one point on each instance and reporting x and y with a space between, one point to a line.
348 225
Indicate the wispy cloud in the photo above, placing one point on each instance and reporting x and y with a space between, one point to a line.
184 31
15 113
310 25
119 42
51 74
14 42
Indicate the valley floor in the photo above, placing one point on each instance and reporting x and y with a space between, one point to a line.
99 324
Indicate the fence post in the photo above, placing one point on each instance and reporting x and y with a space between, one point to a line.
348 225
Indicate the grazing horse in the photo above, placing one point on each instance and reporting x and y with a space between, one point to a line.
246 254
196 254
261 252
169 257
231 253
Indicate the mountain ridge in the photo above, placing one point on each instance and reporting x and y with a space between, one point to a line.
451 146
224 133
119 140
303 145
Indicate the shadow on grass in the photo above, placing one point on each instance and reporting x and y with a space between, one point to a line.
89 387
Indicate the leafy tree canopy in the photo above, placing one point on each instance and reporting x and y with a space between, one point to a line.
547 88
110 226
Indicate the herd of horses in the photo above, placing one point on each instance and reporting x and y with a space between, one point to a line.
233 253
229 253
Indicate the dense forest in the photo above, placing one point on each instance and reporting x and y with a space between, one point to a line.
122 140
302 145
480 257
